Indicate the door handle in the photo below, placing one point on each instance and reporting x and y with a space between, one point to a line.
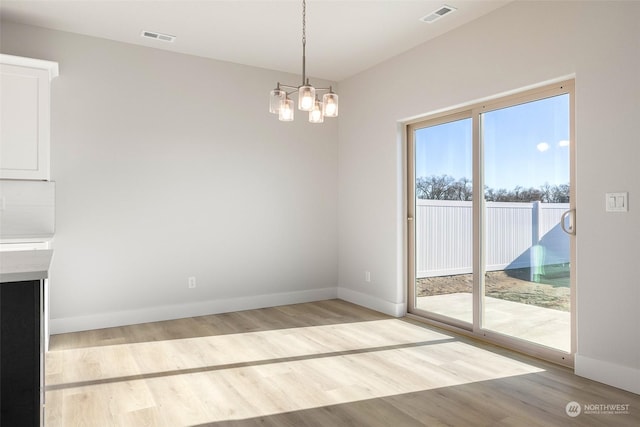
571 229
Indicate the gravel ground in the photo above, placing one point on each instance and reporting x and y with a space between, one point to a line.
499 284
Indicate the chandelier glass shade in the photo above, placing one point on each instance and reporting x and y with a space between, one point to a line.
285 112
316 116
276 99
281 104
330 104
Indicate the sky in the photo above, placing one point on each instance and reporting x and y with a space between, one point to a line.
525 145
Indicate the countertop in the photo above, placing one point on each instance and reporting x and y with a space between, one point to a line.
19 266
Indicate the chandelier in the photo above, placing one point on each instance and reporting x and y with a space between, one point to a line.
281 104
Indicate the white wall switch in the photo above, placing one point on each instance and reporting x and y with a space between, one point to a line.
617 202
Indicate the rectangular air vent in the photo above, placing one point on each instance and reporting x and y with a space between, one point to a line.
158 36
437 14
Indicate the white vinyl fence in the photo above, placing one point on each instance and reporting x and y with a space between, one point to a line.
518 235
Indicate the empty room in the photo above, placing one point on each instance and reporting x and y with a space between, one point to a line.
319 213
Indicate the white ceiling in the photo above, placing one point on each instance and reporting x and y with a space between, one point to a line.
343 37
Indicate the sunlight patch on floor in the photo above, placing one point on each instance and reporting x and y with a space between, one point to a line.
238 376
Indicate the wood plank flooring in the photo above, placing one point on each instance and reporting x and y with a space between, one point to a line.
328 363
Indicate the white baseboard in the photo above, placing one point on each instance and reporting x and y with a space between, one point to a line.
608 373
178 311
374 303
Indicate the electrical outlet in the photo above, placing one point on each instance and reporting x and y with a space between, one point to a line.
191 282
367 276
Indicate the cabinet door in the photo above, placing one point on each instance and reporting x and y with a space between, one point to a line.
21 382
24 123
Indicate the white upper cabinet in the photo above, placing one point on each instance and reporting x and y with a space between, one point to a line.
25 117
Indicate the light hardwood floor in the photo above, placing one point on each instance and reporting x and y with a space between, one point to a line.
327 363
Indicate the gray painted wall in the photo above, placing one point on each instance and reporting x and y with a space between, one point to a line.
169 166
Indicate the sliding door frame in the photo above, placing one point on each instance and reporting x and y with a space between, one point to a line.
475 111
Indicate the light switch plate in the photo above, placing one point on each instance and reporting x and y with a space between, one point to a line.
617 202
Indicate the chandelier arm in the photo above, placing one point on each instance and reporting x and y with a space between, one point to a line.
294 89
324 89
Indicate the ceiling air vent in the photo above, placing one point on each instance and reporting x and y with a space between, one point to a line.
158 36
437 14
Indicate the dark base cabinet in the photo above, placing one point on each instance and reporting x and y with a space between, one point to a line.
21 354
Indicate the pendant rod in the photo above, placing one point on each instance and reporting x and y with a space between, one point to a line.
303 66
304 41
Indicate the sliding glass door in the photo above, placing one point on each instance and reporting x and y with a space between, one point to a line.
526 192
444 219
491 220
